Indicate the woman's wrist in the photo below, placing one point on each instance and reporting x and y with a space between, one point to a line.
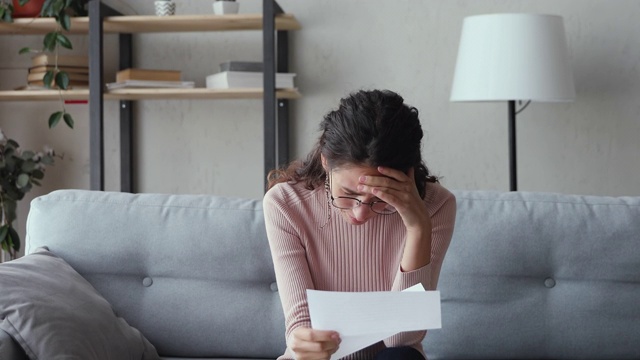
417 250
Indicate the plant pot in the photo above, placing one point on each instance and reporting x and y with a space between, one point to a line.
165 8
30 9
225 7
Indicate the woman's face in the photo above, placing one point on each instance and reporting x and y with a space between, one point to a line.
344 181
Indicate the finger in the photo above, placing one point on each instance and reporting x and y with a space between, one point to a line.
379 181
317 335
396 198
373 185
395 173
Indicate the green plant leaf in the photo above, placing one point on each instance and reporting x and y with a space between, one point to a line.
37 174
49 41
47 160
65 21
22 180
28 166
54 119
62 80
4 230
36 182
14 238
68 120
64 41
23 2
10 206
14 144
2 11
46 8
24 50
58 5
8 14
48 78
28 154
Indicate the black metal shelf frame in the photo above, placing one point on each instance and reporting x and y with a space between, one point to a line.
276 111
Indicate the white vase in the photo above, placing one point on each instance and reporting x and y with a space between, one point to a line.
225 7
165 8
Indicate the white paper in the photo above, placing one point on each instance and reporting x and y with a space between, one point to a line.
364 318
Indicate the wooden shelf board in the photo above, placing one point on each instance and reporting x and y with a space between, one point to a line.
146 94
152 23
43 95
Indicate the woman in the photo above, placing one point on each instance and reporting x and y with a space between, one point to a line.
362 213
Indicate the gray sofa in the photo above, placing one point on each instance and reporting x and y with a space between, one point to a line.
528 275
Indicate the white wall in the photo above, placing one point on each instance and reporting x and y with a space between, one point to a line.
589 146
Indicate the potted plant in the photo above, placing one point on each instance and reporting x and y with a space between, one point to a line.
165 7
20 170
27 8
62 11
221 7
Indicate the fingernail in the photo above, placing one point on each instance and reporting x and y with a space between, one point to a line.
360 187
363 178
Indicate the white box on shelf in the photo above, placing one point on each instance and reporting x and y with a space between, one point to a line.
247 79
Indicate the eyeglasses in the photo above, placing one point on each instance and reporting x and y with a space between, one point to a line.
378 207
347 203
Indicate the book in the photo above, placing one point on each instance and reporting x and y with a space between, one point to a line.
68 69
73 84
63 60
247 79
148 74
150 84
39 76
253 66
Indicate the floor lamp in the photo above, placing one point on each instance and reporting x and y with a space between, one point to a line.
513 57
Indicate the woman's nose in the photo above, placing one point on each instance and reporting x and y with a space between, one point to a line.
362 212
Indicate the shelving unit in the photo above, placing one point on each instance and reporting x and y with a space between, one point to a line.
273 22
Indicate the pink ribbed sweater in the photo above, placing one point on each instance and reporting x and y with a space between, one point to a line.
338 256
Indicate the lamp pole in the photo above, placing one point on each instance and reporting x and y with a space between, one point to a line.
513 168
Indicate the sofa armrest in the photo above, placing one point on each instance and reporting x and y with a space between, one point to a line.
9 349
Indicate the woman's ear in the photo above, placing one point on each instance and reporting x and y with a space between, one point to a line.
324 163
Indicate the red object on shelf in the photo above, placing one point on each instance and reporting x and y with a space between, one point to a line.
30 9
67 102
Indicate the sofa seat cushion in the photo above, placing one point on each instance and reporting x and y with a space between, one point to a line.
54 313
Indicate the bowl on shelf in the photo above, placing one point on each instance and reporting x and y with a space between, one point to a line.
222 7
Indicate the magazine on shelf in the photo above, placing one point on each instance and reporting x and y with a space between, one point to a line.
61 60
252 66
148 74
127 84
247 79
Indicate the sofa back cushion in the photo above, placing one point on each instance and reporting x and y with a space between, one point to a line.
193 273
531 275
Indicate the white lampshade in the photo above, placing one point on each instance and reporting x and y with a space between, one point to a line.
505 57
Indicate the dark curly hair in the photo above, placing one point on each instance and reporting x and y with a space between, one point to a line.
370 128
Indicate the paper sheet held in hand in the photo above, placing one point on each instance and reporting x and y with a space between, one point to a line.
364 318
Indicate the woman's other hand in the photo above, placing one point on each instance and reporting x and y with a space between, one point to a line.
310 344
399 190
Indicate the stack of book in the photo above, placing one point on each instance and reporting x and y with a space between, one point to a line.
246 74
147 78
77 67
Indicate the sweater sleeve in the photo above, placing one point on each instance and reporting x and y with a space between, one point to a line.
289 259
443 216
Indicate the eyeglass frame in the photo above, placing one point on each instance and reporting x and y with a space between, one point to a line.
360 202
